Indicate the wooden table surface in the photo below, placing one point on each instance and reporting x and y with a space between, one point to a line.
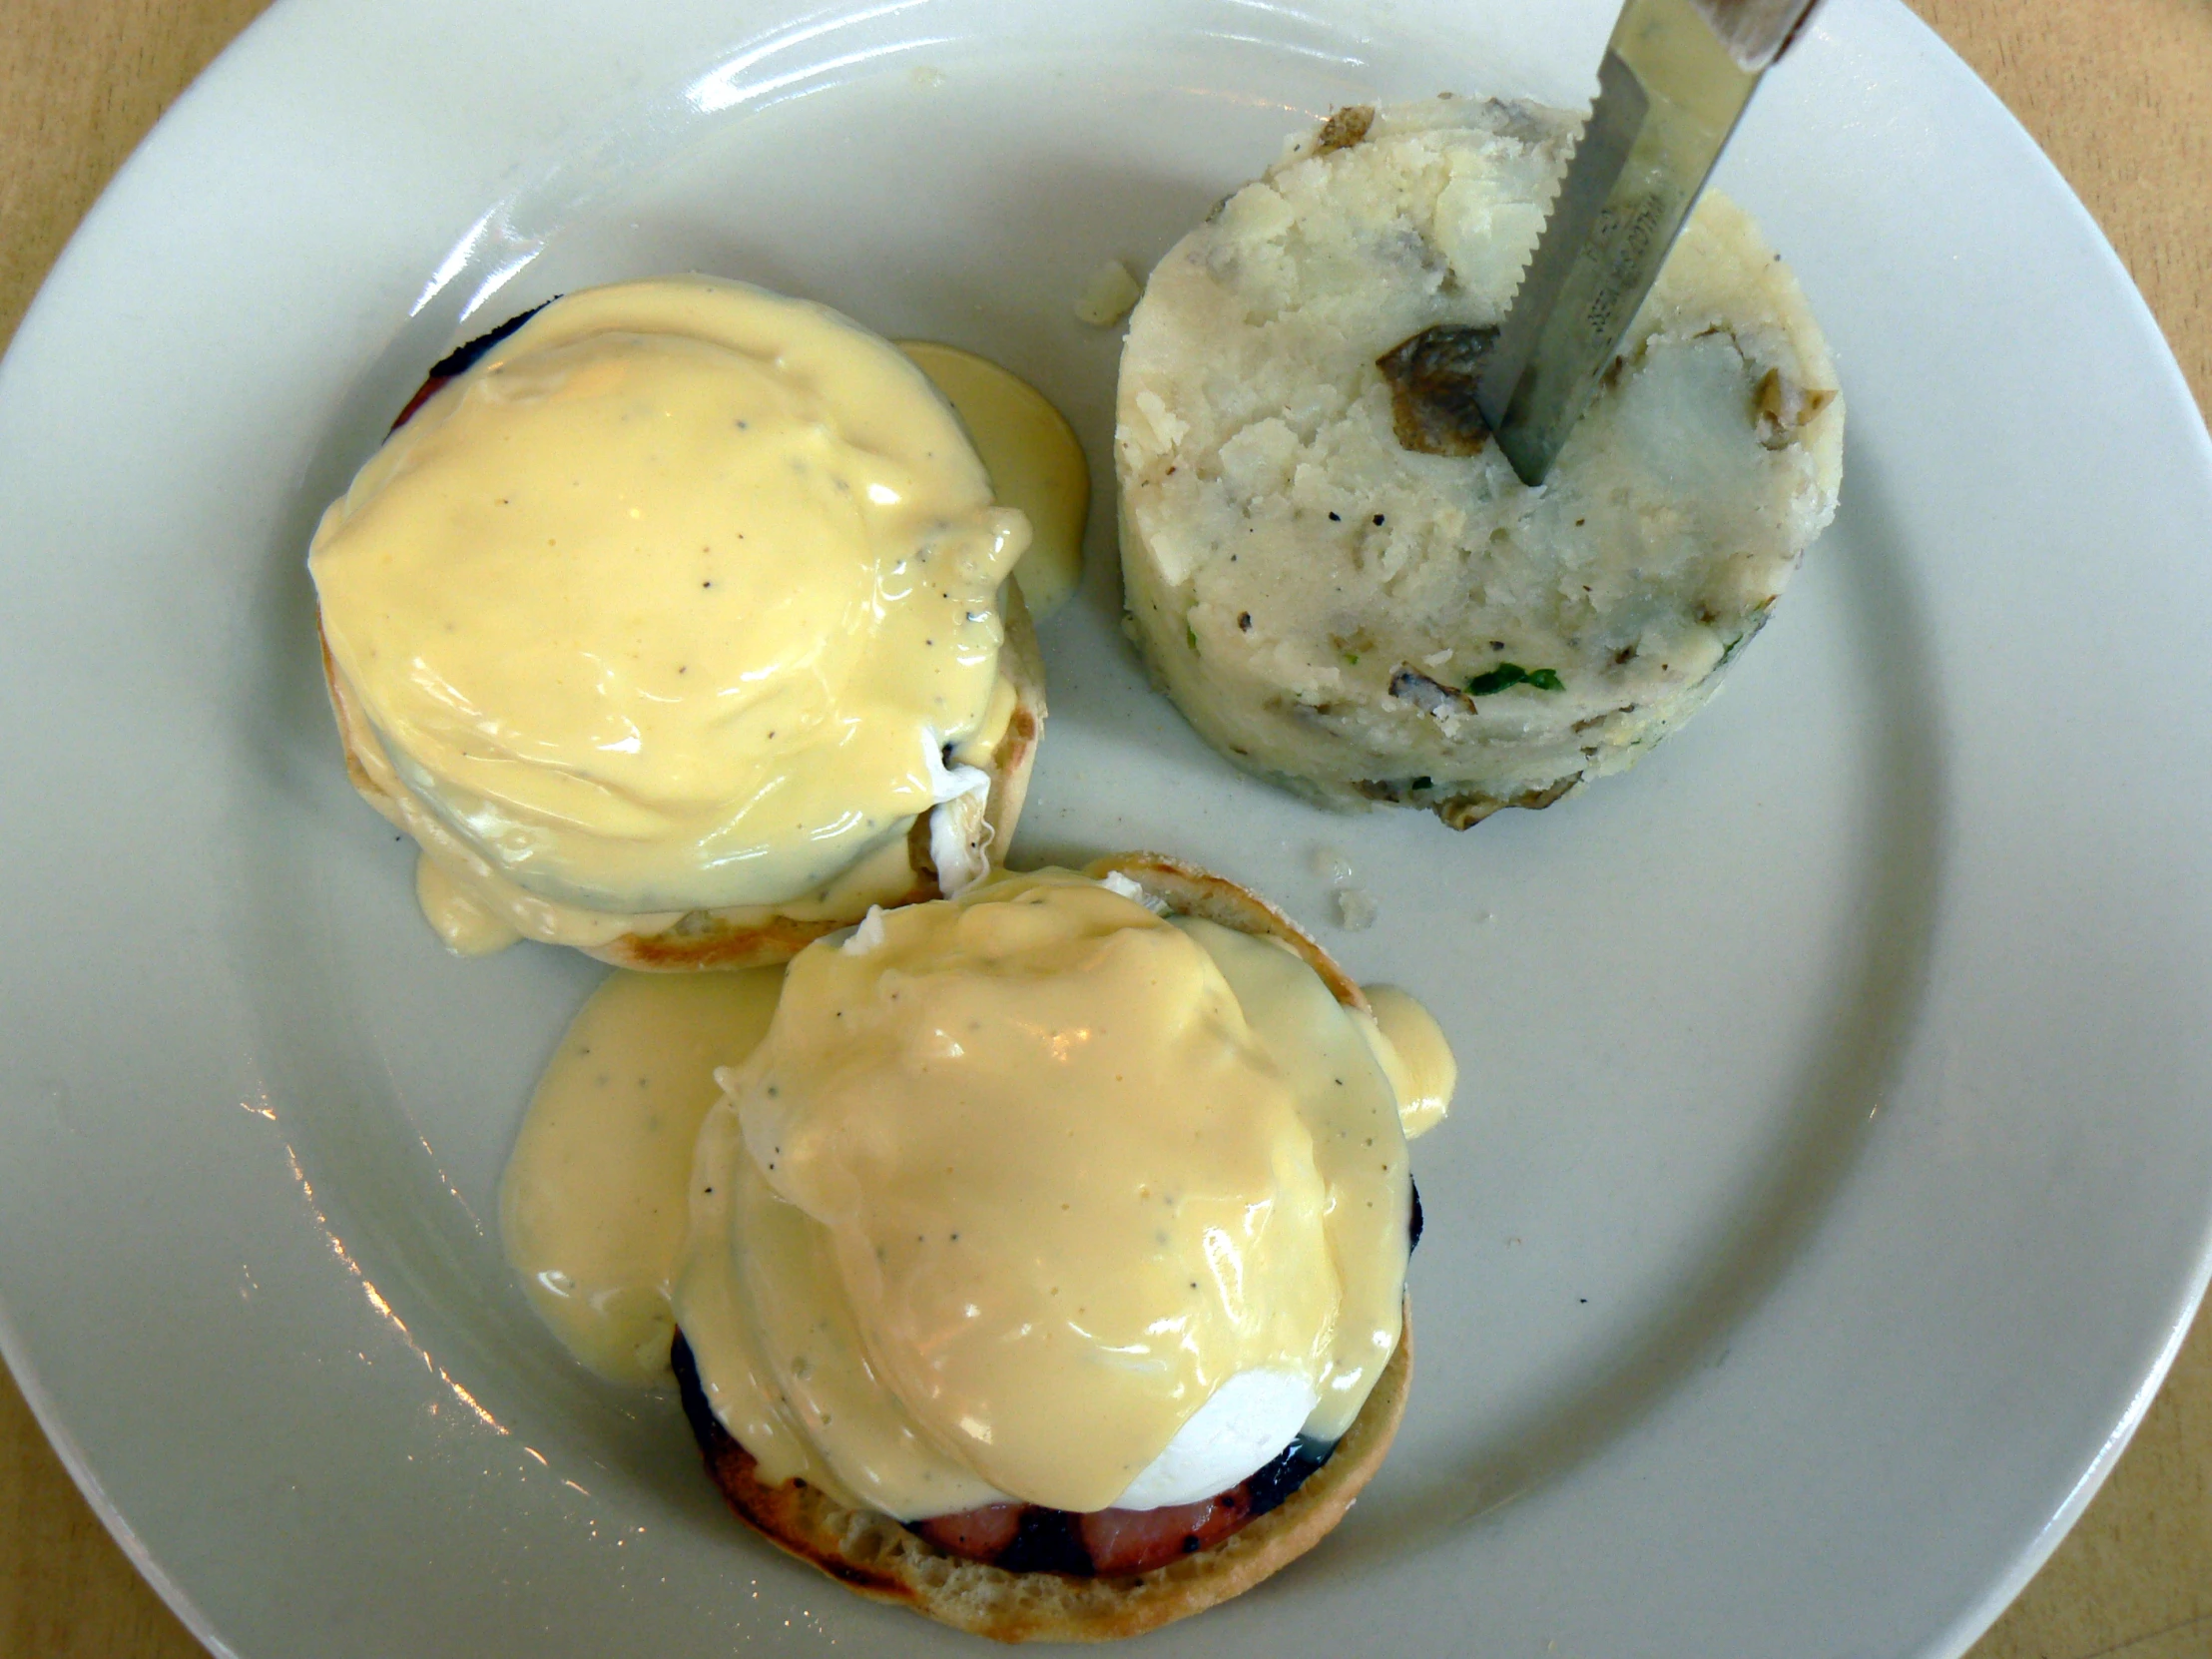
2119 92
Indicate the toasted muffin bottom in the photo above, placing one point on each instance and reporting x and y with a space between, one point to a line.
881 1558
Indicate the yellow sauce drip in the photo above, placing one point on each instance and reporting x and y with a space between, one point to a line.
1424 1072
1033 459
672 600
455 885
468 925
592 1206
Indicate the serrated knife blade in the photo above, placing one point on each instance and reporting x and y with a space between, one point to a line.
1676 79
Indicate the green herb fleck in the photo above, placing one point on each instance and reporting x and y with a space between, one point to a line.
1512 673
1190 634
1352 657
1423 782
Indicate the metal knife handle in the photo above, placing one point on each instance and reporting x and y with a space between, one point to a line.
1756 32
1676 77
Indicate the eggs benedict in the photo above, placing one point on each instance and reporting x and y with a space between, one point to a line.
1044 1257
676 626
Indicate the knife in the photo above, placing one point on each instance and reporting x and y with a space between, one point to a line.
1676 78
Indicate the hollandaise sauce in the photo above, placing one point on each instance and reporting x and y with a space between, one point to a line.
1033 459
1418 1056
679 598
1033 1196
593 1207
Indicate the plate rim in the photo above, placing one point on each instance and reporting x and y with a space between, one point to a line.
216 82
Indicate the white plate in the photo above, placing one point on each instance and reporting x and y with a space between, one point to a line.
1833 1175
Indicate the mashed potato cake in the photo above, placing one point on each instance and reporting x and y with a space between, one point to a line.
1363 622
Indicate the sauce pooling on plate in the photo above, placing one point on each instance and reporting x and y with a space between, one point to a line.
1033 459
592 1208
